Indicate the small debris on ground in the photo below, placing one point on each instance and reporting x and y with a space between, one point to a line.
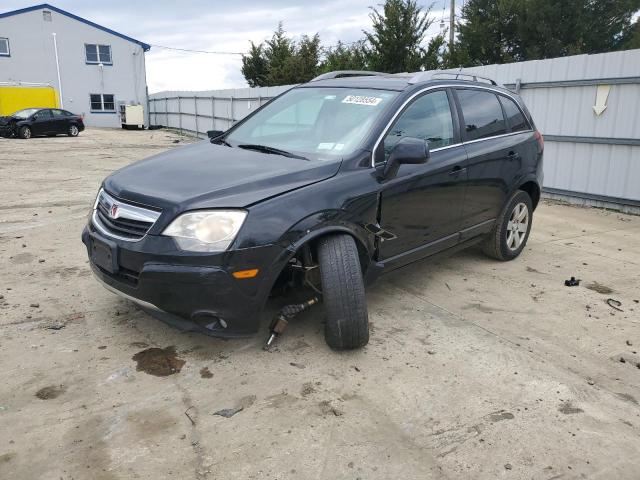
243 403
297 365
508 466
55 326
572 282
615 304
34 305
206 373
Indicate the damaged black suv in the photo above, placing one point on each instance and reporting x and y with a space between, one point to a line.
327 186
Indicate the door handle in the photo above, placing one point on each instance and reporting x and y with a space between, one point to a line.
513 155
457 169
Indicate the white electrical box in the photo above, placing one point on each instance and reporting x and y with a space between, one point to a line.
132 116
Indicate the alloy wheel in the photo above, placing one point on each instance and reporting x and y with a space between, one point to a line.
517 226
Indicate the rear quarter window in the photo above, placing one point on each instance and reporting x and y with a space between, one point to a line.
482 114
515 118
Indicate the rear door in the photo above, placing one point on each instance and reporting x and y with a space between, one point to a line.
60 121
421 205
493 158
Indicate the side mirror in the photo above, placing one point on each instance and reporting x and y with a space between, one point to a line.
34 117
214 133
408 150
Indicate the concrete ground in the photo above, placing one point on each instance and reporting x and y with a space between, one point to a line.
476 369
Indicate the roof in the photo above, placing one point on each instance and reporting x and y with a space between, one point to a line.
45 6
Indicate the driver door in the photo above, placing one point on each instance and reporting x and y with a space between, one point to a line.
43 123
422 204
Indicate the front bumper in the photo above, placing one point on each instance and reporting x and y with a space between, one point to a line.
6 130
190 291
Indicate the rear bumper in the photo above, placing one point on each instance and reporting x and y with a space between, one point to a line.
192 292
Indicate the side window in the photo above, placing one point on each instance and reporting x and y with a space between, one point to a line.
102 102
4 47
428 118
58 114
482 114
44 115
515 117
95 54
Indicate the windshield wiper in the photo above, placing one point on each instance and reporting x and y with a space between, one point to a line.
272 150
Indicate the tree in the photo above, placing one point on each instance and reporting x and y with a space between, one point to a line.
398 32
305 63
501 31
278 52
282 61
254 66
631 38
345 57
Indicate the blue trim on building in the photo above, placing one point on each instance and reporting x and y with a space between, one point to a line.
45 6
103 111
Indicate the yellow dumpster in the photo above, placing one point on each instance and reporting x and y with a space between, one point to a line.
16 97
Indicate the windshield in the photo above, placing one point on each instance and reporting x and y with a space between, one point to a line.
26 113
319 123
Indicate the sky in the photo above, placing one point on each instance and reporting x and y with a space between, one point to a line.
223 26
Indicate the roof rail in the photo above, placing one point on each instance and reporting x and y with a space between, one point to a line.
472 77
346 73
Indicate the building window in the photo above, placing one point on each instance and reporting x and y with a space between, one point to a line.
96 54
103 102
4 47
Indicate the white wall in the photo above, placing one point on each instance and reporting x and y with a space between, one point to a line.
33 60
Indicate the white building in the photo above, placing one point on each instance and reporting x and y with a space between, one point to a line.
95 69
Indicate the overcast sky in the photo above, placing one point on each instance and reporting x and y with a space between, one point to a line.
215 25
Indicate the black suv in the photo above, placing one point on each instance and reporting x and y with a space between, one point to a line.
326 186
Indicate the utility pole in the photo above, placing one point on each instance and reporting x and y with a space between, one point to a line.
452 24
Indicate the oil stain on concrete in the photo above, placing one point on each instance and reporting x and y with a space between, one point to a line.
160 362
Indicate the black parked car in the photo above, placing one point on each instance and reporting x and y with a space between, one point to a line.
328 185
31 122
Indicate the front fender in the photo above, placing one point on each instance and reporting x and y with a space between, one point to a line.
326 222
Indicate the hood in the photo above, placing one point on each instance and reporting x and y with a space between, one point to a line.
205 175
5 120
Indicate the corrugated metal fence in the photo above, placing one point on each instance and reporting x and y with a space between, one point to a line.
590 154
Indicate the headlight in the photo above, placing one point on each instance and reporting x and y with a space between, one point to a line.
207 230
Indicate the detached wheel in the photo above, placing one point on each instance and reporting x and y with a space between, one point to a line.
24 132
511 231
73 131
347 321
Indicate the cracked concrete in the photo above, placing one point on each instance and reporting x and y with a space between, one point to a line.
476 369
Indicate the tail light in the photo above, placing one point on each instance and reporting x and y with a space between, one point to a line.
538 136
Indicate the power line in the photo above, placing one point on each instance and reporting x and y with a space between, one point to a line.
198 51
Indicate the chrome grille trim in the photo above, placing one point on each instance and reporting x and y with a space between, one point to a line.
130 222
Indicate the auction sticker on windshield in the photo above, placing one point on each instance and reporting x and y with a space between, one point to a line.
362 100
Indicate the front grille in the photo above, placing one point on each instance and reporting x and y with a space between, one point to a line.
122 220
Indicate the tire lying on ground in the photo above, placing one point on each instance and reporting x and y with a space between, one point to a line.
347 321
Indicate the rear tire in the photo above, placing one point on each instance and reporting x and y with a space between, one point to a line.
24 132
511 231
347 321
73 131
